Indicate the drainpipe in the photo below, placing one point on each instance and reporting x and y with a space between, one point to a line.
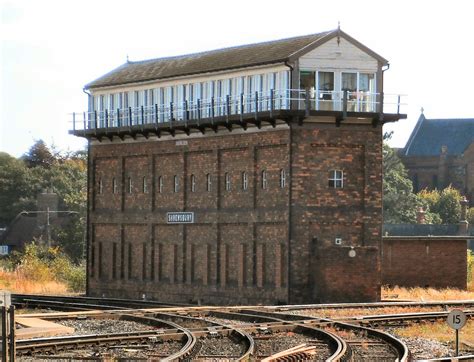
381 89
290 185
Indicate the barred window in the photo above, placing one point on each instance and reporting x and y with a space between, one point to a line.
227 182
193 183
245 181
282 178
264 179
176 183
208 182
160 184
336 179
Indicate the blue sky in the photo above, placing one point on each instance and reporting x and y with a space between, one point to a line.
50 49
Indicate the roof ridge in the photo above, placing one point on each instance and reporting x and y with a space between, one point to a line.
242 46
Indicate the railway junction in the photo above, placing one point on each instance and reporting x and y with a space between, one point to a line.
112 329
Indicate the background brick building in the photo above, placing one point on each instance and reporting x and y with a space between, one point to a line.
439 153
243 175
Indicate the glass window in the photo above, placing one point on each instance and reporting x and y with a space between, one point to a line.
114 185
264 179
336 179
101 186
208 182
193 183
227 181
160 184
282 178
130 186
349 82
245 181
144 185
176 183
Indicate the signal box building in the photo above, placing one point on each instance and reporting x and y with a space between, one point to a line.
243 175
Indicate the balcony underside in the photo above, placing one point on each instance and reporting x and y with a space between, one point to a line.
205 125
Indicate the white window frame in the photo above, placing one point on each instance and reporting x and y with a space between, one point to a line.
228 184
282 178
245 181
337 178
264 180
208 182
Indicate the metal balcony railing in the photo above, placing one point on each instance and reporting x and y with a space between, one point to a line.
245 103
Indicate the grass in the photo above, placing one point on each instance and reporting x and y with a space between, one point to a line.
17 282
439 331
426 294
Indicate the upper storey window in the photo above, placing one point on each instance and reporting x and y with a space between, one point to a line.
336 179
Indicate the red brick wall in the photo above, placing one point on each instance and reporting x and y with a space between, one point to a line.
246 246
438 262
339 277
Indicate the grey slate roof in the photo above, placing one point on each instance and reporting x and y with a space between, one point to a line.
430 134
271 52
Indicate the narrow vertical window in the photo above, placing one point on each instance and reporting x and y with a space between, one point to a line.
208 182
101 186
160 184
193 183
336 179
176 183
282 178
245 181
129 185
264 179
114 185
144 185
227 181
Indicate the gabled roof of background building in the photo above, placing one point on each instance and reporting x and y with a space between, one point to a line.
271 52
430 135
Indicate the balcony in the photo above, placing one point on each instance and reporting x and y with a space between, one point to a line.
240 111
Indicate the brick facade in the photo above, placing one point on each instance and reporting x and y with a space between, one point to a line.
437 261
272 241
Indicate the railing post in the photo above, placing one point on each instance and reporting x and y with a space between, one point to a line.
4 334
212 108
256 105
307 104
156 113
241 104
119 123
344 103
84 119
142 115
171 112
272 102
95 120
398 104
73 121
12 347
106 118
227 106
199 109
186 110
130 120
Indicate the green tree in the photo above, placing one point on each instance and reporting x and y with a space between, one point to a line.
443 203
39 155
399 202
18 188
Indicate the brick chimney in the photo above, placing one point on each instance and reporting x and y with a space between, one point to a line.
420 216
463 223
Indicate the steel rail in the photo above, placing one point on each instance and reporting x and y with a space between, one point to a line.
176 333
399 346
336 345
223 329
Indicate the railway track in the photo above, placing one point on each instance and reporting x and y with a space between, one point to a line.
239 333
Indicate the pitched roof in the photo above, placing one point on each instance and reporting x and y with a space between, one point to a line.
430 134
277 51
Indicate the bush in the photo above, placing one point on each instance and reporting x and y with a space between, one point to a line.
42 264
470 270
